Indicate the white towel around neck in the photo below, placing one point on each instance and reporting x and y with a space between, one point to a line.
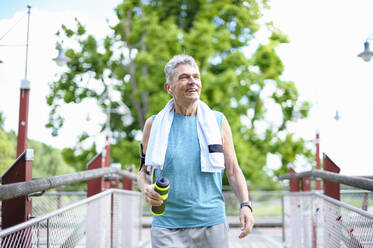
212 160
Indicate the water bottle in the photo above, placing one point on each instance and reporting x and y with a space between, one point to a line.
161 186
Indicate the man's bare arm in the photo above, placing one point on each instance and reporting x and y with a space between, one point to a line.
236 179
145 178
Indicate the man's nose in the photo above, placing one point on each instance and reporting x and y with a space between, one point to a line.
193 80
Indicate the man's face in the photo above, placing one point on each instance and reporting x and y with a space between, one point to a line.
186 83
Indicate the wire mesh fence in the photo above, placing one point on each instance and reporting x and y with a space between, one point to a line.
315 220
297 220
308 219
358 198
98 221
51 201
266 203
126 219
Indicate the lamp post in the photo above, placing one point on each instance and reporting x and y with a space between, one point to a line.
367 54
106 157
18 210
24 100
318 164
61 59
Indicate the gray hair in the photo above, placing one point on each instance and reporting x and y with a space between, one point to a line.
177 60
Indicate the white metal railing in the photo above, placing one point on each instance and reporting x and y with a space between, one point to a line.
267 202
312 219
51 201
108 219
358 198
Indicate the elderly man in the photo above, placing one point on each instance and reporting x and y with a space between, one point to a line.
191 145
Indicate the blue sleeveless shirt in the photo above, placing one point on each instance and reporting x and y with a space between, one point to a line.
195 198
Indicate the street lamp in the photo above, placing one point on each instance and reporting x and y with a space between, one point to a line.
367 54
24 100
24 93
17 210
61 59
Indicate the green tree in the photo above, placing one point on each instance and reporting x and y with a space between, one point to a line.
246 87
2 120
7 152
7 149
80 161
47 162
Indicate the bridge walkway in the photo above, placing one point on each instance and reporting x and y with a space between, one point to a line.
266 234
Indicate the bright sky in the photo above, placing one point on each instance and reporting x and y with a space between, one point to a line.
321 59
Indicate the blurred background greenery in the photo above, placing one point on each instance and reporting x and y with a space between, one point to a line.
123 74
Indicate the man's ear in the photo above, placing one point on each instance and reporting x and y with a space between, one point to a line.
167 87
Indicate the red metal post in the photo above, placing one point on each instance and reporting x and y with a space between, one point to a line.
294 203
114 182
106 160
106 157
331 189
24 100
114 178
306 184
59 200
365 202
17 210
23 117
95 186
127 183
318 187
318 164
94 211
314 234
294 183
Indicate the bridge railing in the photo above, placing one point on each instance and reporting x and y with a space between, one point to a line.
354 181
53 200
14 190
318 218
107 218
312 219
86 223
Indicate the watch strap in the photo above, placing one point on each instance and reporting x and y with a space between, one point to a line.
248 204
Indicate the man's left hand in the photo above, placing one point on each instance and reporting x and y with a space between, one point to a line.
246 220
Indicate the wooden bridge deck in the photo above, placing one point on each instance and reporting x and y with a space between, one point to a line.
260 237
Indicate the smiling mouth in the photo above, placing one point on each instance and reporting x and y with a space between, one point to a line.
192 90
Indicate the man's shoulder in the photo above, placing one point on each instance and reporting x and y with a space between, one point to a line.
148 123
219 115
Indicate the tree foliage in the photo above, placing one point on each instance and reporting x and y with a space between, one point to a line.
47 162
245 86
2 120
7 152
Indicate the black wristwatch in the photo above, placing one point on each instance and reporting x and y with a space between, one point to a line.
248 204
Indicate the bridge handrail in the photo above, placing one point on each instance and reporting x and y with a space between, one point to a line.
54 213
354 181
69 226
14 190
331 200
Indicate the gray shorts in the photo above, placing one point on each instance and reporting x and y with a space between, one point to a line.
196 237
